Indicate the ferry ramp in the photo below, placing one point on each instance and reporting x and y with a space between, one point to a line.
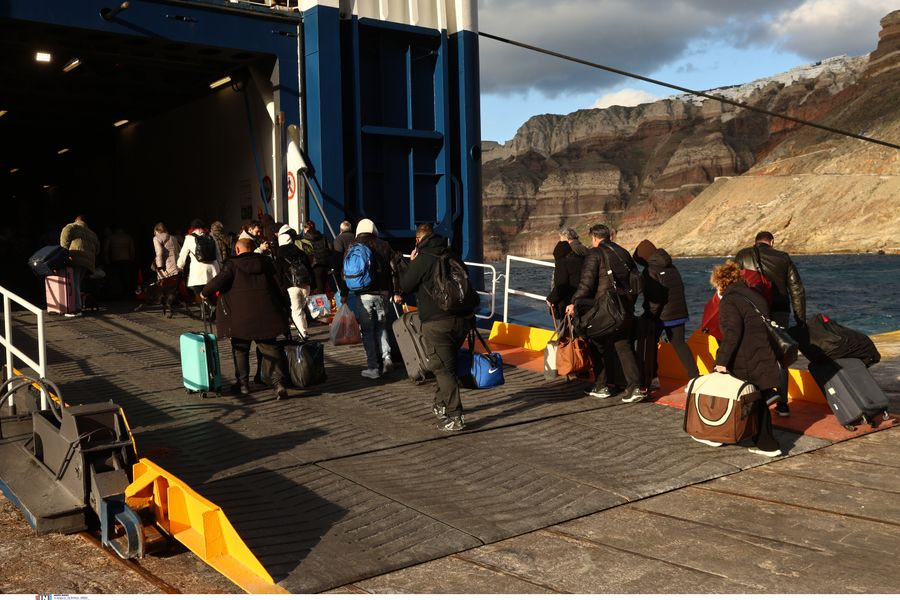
351 479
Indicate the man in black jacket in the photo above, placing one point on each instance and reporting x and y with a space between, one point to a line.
370 304
443 332
251 308
777 267
787 289
607 262
341 244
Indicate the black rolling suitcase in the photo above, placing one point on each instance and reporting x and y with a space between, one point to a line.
850 390
408 332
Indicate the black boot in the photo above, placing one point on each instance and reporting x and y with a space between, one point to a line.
280 391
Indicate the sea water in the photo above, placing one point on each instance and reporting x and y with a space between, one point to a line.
861 291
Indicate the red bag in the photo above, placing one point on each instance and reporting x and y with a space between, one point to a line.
710 322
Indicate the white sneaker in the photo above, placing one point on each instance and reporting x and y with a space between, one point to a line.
708 442
769 453
371 374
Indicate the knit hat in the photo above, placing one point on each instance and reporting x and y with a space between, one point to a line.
366 226
286 235
644 251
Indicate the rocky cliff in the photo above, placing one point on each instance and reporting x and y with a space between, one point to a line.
648 170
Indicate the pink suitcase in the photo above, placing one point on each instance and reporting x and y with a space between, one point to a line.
61 292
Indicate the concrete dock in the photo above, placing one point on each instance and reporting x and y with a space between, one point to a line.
349 487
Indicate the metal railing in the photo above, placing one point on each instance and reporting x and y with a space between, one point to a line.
508 291
39 366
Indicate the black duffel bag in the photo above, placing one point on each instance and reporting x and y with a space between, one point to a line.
605 316
823 339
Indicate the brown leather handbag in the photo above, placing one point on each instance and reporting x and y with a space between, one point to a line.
572 353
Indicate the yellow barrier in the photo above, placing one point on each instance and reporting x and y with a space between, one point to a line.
198 524
521 336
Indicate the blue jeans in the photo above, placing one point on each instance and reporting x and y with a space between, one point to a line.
370 313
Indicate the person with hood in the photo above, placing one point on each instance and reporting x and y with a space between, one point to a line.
83 246
566 275
369 304
217 231
320 256
443 332
295 273
745 350
664 300
201 249
251 309
166 250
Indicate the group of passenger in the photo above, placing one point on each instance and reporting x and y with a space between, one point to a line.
583 275
262 286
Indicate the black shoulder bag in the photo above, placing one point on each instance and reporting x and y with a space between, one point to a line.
606 315
785 346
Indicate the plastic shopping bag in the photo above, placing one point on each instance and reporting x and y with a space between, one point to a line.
344 328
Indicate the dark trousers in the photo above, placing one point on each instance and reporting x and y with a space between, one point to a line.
675 334
783 319
320 276
443 338
765 437
271 354
604 365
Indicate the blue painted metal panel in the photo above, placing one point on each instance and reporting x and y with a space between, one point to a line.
467 143
323 106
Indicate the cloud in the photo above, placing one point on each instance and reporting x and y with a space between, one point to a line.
636 36
625 97
821 28
647 35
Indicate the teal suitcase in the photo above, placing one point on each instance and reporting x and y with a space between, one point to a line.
200 368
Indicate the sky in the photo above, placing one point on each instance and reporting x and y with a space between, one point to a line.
698 44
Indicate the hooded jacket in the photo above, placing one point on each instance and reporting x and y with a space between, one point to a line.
566 275
418 276
321 254
663 288
252 305
745 349
777 266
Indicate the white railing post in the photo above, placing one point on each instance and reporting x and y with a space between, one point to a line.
42 358
506 293
7 339
39 367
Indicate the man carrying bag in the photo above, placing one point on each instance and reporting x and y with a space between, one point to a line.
605 299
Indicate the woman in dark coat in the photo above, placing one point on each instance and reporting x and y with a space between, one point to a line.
566 276
252 307
745 350
664 300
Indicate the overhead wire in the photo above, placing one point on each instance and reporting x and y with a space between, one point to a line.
716 97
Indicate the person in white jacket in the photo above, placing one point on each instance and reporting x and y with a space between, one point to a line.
205 260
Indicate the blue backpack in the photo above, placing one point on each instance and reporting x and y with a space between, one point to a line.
358 267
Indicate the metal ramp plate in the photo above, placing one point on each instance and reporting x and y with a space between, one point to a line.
47 507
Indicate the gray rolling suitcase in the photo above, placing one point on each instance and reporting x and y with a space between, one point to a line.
408 333
850 390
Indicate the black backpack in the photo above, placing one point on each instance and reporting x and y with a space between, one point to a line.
205 250
298 273
635 281
450 286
